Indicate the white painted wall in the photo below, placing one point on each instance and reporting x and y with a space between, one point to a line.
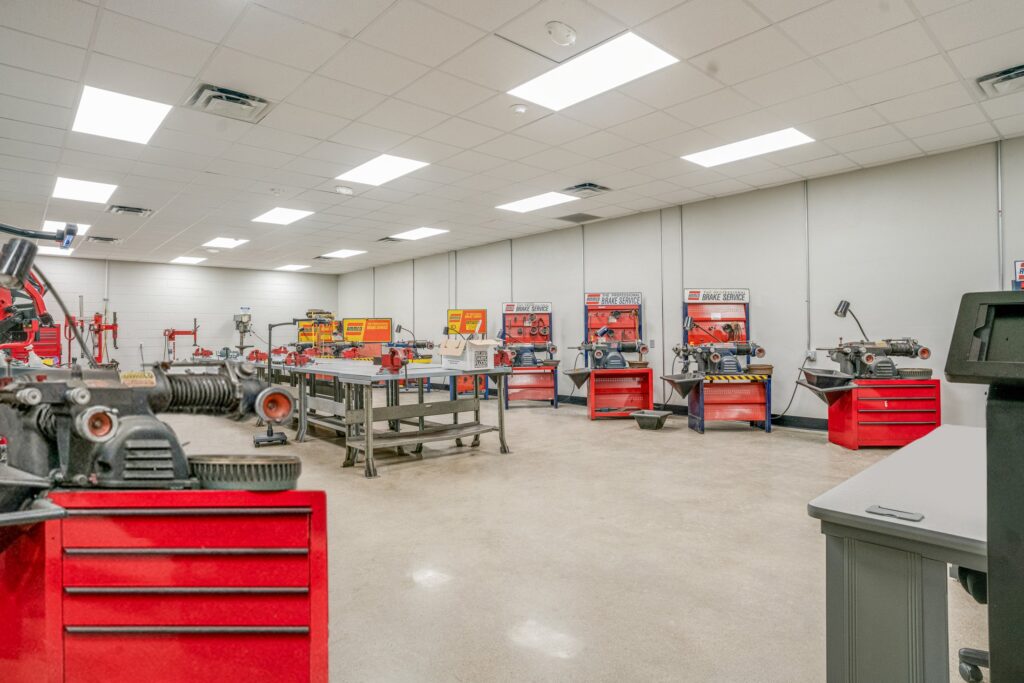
150 297
902 242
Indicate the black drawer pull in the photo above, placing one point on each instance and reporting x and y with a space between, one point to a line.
894 423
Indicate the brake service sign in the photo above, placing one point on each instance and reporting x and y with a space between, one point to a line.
718 296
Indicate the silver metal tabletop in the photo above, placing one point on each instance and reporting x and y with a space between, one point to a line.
363 372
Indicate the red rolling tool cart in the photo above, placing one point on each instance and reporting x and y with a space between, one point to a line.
468 321
166 587
526 329
720 323
884 412
613 323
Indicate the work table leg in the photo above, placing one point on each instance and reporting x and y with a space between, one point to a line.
300 433
502 379
371 466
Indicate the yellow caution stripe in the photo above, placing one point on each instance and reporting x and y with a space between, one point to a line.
740 378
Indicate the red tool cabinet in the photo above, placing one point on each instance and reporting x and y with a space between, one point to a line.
538 383
885 412
167 586
620 392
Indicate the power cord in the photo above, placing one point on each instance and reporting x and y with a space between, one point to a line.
795 387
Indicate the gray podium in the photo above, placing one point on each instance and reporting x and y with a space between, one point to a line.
886 577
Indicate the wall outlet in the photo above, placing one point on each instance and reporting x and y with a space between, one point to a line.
811 355
651 345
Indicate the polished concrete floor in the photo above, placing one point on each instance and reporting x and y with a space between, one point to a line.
593 552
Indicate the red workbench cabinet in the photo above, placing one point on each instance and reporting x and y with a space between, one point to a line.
532 383
620 392
885 412
167 586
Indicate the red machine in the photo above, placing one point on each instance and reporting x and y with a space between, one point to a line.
171 340
729 392
28 324
167 586
96 331
526 331
613 324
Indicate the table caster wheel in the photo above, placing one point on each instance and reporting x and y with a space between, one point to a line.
971 673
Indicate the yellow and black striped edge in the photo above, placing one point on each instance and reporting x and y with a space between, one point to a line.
739 378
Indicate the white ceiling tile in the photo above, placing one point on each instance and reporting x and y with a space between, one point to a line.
496 63
404 117
528 29
818 105
497 113
423 149
104 146
1006 105
635 12
136 41
554 159
718 106
653 126
37 87
974 21
30 132
373 69
823 166
31 150
283 39
555 129
40 54
872 137
988 56
136 80
1011 126
904 80
939 122
769 177
254 75
886 153
510 147
896 47
420 33
696 140
173 158
960 137
192 121
927 102
462 133
723 187
161 172
35 112
733 63
187 142
636 157
485 14
841 124
199 18
474 162
278 140
65 21
515 171
99 162
343 155
671 85
332 97
288 117
701 25
777 10
841 22
932 6
607 109
358 134
347 18
747 125
802 78
598 144
442 92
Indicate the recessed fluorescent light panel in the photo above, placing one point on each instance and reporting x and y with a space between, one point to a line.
83 190
224 243
607 66
188 260
122 117
540 201
281 216
54 226
751 147
291 267
418 234
55 251
344 253
382 169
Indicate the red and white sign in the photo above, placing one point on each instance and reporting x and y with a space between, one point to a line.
718 296
613 298
527 307
1018 269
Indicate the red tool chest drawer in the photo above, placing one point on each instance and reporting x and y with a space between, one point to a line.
891 412
196 586
620 392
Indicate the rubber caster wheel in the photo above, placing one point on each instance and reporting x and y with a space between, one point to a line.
971 673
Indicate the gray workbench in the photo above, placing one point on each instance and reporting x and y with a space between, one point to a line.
886 578
349 407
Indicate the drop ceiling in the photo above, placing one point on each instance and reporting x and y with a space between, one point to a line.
873 81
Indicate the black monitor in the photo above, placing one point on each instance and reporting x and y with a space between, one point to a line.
987 345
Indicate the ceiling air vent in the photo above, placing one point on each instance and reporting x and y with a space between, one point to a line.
579 218
390 239
99 239
1003 82
229 103
585 190
119 210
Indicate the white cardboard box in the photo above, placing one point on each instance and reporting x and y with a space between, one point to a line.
467 354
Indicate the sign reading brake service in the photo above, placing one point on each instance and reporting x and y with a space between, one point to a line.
1018 269
613 298
527 307
718 296
367 330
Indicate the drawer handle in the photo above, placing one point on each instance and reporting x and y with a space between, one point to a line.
895 423
176 590
896 410
184 512
896 398
186 551
302 630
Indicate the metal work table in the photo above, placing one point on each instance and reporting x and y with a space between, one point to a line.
348 407
886 578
